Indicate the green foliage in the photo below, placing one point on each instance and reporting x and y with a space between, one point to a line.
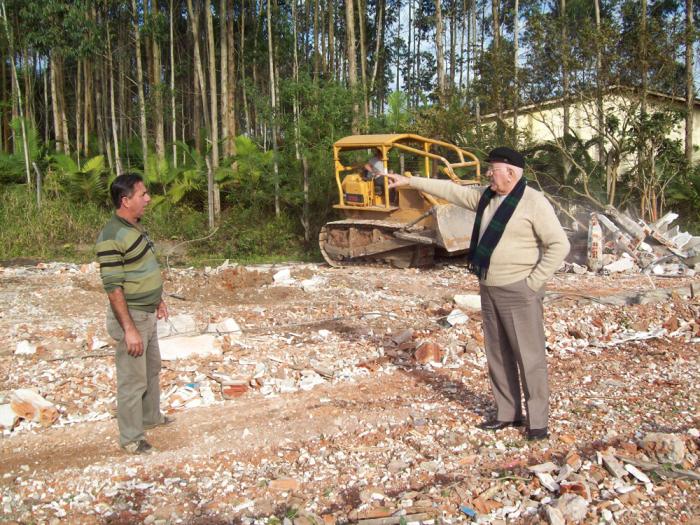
398 117
65 229
246 233
34 147
86 183
58 26
249 180
13 165
61 228
683 196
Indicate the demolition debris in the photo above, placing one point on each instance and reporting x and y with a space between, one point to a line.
306 394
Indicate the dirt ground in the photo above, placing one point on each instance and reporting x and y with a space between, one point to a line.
339 418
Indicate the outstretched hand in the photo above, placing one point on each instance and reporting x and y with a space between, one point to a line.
396 180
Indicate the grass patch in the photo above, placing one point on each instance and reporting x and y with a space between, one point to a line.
66 230
59 230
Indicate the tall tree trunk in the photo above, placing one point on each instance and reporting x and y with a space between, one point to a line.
112 105
352 61
231 93
17 94
496 24
212 86
565 65
29 89
139 84
440 52
600 115
157 87
331 37
45 76
78 116
689 87
408 81
453 44
196 112
362 22
516 86
379 46
60 85
273 99
214 105
305 216
478 54
644 155
316 54
324 41
397 50
173 114
53 65
244 97
102 133
417 61
223 60
643 42
88 106
199 74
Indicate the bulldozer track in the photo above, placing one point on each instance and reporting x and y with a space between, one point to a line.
409 255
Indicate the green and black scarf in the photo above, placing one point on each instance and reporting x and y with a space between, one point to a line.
480 251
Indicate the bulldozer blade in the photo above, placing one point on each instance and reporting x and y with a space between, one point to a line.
454 226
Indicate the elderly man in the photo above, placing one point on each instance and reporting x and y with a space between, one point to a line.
131 277
516 246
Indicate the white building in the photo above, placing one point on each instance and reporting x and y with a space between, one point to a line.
544 122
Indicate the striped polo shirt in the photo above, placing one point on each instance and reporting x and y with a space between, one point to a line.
128 261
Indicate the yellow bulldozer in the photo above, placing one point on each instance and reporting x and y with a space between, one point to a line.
403 226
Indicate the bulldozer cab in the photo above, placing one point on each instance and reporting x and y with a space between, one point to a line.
408 154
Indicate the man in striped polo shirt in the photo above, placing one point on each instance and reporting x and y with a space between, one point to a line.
131 277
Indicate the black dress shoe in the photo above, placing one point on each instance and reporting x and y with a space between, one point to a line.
537 434
495 424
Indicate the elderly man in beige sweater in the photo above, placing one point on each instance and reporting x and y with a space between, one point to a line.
517 245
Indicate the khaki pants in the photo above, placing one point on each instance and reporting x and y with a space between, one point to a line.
138 388
515 351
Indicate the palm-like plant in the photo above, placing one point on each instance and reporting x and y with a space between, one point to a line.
247 173
86 183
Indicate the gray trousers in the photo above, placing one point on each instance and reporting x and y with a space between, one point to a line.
138 387
515 351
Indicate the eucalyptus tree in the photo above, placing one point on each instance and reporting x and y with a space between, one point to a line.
690 38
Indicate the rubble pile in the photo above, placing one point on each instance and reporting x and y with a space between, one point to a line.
618 243
322 395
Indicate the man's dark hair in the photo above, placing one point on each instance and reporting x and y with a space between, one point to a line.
123 186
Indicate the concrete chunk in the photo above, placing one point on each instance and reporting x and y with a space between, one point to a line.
543 467
184 347
637 473
668 448
469 301
613 466
547 481
572 507
8 417
553 515
176 325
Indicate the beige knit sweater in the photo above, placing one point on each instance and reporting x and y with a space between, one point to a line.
533 244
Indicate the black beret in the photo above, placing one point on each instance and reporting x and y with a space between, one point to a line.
507 155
